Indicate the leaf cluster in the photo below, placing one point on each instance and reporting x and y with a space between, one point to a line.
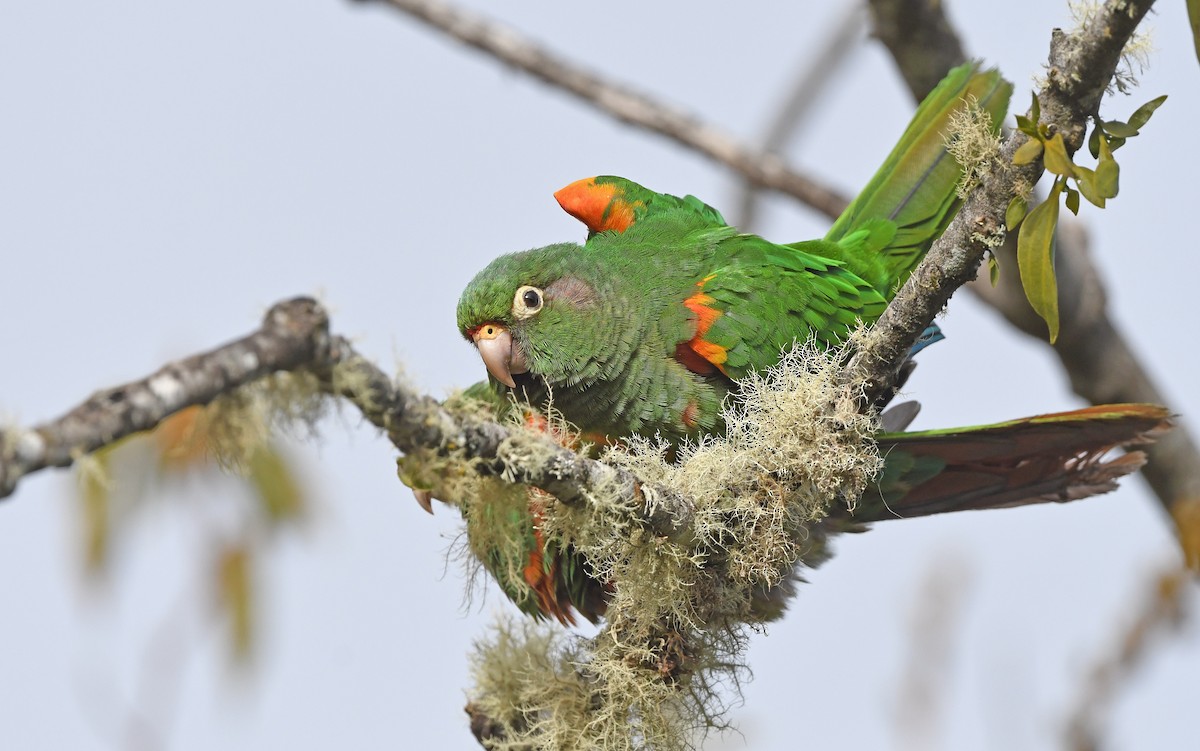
1035 241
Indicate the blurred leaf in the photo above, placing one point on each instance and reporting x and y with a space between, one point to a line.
1186 514
182 440
993 269
1035 259
95 488
1119 129
1194 19
1015 212
1107 172
236 597
1056 158
1028 151
1142 114
276 485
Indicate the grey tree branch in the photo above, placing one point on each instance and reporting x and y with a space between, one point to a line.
921 39
1098 359
622 102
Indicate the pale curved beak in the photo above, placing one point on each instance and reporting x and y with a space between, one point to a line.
502 358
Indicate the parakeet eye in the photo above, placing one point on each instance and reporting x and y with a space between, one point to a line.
527 301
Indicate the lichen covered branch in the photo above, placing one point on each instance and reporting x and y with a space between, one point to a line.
1080 67
295 336
293 333
1092 349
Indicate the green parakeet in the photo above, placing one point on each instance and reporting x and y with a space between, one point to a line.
646 328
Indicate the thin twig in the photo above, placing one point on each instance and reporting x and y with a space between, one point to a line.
817 74
1166 609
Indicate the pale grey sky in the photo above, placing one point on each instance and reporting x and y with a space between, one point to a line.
167 171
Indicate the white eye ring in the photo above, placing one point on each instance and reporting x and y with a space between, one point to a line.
528 301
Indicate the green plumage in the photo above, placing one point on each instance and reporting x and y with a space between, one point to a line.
645 328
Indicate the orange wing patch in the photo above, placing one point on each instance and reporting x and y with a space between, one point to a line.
541 575
600 207
696 354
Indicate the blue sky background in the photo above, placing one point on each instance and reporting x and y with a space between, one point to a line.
167 171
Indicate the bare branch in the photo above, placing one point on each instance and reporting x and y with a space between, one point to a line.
622 102
1167 608
921 39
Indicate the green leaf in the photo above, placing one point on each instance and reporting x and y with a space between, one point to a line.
1015 212
234 587
1035 108
95 486
1115 143
1027 126
993 269
1035 259
1073 201
1028 151
1085 179
1108 173
1142 114
1119 129
1056 158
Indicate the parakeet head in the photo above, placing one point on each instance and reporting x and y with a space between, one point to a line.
547 312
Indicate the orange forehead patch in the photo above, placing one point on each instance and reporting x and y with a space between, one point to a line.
600 207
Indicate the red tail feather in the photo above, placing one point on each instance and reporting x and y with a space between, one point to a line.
1049 458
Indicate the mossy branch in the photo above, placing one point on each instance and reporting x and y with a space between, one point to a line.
1094 352
295 336
1081 65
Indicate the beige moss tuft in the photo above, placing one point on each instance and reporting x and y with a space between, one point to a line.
973 145
1135 56
240 423
543 689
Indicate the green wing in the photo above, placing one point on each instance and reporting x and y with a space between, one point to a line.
763 298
